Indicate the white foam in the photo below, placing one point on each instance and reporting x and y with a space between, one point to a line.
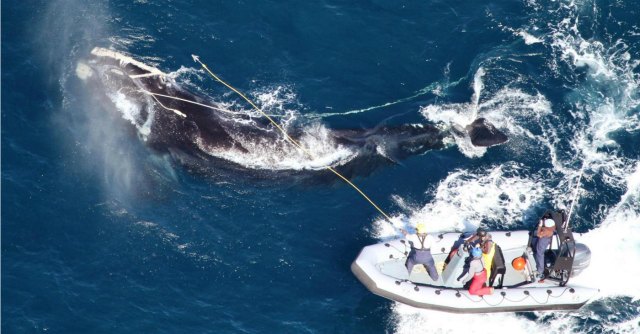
185 74
615 245
280 154
275 98
631 326
606 99
507 109
131 111
410 320
466 198
528 38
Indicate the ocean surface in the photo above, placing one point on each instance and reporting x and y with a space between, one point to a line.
103 234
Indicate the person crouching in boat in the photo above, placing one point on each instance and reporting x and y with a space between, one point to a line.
493 260
421 251
476 239
478 273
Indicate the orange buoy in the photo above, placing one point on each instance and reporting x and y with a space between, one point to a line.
518 263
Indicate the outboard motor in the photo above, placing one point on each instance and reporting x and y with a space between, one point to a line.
581 259
569 258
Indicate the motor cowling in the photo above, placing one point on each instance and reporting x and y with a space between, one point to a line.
581 259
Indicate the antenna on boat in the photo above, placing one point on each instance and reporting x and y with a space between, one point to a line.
565 224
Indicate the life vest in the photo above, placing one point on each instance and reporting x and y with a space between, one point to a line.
488 258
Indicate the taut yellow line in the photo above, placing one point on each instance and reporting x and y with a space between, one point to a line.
291 140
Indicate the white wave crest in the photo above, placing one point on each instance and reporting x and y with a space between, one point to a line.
465 198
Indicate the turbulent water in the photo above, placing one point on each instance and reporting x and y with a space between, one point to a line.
101 233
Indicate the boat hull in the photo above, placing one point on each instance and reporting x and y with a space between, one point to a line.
380 268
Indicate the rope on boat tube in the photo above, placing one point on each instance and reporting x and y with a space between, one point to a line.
496 304
483 299
534 299
560 295
504 297
515 301
404 253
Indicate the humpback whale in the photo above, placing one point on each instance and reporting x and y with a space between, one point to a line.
171 119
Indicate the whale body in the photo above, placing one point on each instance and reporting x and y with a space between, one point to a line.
169 118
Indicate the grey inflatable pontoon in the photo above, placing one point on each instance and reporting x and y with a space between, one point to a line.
381 268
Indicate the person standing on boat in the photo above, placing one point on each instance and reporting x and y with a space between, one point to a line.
421 251
478 273
546 228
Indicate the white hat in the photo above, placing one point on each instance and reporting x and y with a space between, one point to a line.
549 223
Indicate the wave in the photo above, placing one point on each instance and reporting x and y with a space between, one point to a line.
465 199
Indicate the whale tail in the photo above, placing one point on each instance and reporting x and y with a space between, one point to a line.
393 142
398 142
484 134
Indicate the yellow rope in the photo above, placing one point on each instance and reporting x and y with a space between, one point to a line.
291 140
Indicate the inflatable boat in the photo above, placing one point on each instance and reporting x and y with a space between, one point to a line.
381 268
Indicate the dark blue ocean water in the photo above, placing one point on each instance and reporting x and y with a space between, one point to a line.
101 234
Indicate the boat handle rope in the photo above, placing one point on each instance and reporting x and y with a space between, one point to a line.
404 254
